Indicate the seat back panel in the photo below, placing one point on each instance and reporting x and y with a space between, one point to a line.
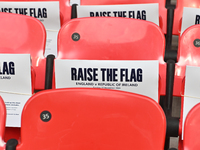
84 119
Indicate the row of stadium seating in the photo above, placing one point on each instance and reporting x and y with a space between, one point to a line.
70 131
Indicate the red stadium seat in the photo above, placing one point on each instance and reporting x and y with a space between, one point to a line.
65 8
178 12
24 34
2 123
191 129
188 54
114 39
83 119
52 31
162 9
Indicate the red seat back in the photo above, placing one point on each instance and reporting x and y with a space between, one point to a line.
84 119
113 39
178 12
162 9
191 129
24 34
2 123
188 54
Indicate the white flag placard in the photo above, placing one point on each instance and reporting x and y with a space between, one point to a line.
149 12
191 93
15 74
47 12
14 106
132 76
15 85
191 16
